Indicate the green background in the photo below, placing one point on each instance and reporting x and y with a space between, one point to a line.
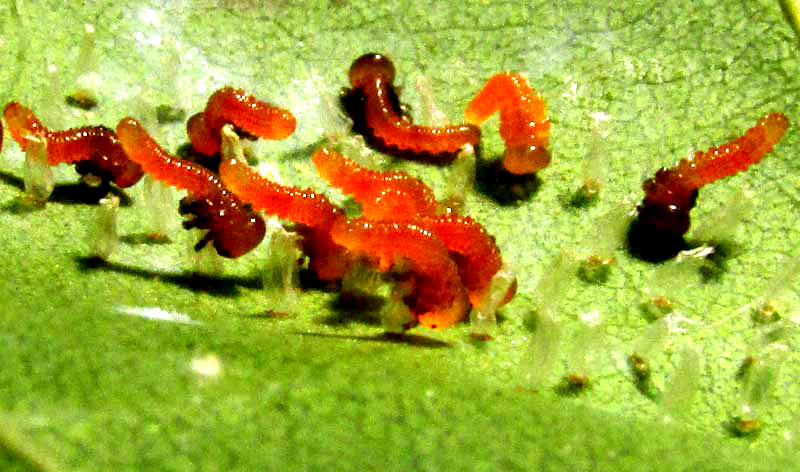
83 387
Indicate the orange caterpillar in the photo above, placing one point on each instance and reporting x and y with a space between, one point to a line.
663 218
383 196
524 124
474 251
313 212
373 105
232 226
95 149
245 112
395 196
436 296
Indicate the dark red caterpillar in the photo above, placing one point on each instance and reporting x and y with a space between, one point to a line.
245 112
435 295
313 213
524 124
383 196
95 149
373 105
671 194
232 225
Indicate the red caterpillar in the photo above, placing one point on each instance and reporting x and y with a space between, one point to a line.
384 196
396 196
232 226
373 105
245 112
313 212
524 124
671 194
436 296
95 149
472 249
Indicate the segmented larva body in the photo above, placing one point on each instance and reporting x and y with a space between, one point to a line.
96 149
162 166
718 162
313 212
245 112
232 226
671 193
524 124
21 123
395 196
437 297
384 196
289 203
474 251
372 75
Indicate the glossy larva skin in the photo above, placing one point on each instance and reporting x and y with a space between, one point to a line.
21 122
95 149
302 206
373 100
386 196
671 194
524 124
397 197
436 295
313 213
233 227
473 249
245 112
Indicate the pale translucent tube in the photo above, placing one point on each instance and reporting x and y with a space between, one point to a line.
160 203
461 179
103 238
598 253
544 349
87 78
682 388
280 269
483 318
38 178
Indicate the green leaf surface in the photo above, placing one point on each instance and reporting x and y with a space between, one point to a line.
82 386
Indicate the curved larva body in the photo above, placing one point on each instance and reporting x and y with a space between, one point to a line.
289 203
21 122
313 212
473 249
371 77
383 195
719 162
395 131
437 297
161 165
245 112
670 195
328 260
97 151
232 225
95 148
524 124
203 140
